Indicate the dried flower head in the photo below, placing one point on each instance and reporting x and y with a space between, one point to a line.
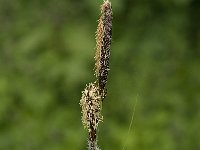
91 106
103 43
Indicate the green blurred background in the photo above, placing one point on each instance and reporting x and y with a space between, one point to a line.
47 57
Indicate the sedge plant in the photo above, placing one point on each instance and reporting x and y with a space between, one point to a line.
94 93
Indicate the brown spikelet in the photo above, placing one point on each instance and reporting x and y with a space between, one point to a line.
103 43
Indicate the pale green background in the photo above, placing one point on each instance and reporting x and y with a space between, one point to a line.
47 57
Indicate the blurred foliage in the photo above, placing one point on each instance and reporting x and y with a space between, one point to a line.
46 58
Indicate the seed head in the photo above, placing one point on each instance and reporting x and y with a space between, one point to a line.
91 106
103 43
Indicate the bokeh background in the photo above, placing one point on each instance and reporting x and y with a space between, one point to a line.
47 57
